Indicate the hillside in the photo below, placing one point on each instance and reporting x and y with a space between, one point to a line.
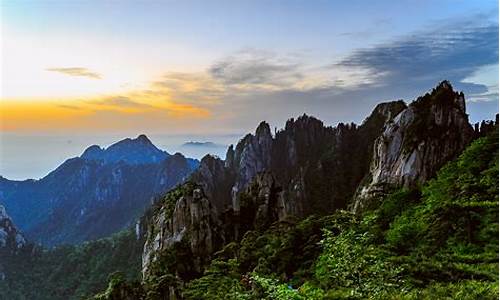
94 195
403 206
313 212
435 241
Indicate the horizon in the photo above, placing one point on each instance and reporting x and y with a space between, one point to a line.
105 70
170 143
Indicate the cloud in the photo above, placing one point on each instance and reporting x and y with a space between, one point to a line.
241 89
78 72
375 27
453 52
254 69
348 89
119 101
193 88
67 106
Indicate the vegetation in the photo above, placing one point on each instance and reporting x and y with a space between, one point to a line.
72 272
439 241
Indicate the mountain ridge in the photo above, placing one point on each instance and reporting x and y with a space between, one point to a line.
306 168
132 151
106 184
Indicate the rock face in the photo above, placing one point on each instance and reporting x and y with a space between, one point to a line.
11 240
10 237
416 143
192 226
308 168
265 179
94 195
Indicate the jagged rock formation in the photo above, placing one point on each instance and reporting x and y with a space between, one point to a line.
11 239
193 222
416 143
485 127
94 195
305 168
308 168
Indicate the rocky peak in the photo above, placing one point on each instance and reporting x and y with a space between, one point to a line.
229 157
442 96
252 155
142 138
387 110
131 151
192 227
215 180
92 152
416 143
485 127
10 237
263 131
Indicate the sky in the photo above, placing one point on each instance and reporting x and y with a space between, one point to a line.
97 71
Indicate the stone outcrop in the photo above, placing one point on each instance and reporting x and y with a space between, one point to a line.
263 202
265 179
416 143
193 223
308 168
11 240
10 237
252 155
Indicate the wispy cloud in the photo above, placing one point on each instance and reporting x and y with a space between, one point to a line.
192 88
76 71
246 86
453 51
253 68
119 101
68 106
376 27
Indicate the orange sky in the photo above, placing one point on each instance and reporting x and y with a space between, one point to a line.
184 67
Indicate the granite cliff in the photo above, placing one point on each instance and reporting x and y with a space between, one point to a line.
433 130
306 168
11 240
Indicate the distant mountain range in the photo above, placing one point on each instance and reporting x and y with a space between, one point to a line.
203 144
93 195
200 149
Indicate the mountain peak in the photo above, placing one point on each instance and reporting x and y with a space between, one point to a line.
442 95
92 152
445 84
131 151
143 139
263 129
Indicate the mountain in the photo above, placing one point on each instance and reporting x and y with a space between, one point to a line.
131 151
200 149
201 144
11 240
403 206
433 130
305 169
94 195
